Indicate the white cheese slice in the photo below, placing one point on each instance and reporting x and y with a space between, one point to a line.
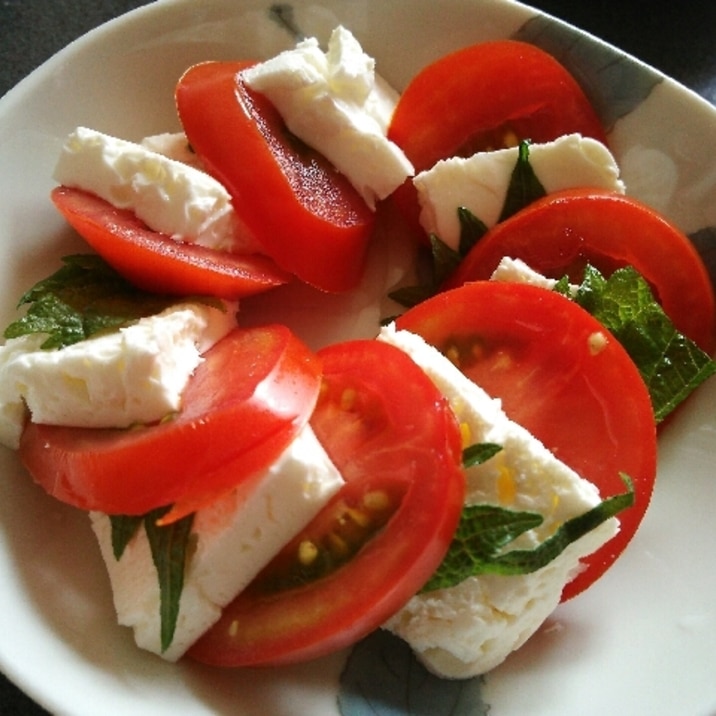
337 104
174 145
469 629
169 196
134 375
479 183
511 270
236 536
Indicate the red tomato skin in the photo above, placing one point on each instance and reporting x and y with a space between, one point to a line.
155 262
400 407
306 215
462 103
245 403
591 409
561 232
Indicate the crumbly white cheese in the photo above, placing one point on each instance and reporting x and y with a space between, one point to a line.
469 629
236 536
169 196
174 145
511 270
339 105
134 375
479 183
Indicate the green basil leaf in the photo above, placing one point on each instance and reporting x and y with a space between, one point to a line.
124 527
671 365
85 297
171 547
524 186
443 260
485 530
478 453
472 230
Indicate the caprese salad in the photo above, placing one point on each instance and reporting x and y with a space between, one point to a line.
450 478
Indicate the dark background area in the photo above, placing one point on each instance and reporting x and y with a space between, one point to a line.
676 38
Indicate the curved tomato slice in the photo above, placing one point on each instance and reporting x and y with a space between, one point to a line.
244 404
485 97
306 215
543 356
397 444
562 232
155 262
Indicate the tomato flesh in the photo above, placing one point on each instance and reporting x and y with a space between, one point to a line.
486 97
246 401
306 215
562 232
395 440
155 262
544 357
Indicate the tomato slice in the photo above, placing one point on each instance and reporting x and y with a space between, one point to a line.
155 262
558 234
484 97
397 444
583 398
306 215
246 401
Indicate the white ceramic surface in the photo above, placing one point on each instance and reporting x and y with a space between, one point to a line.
640 642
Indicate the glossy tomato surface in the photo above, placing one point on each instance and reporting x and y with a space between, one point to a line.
397 444
562 232
307 216
484 97
559 374
156 262
246 401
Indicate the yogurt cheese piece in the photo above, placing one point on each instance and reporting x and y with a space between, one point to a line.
134 375
479 183
337 104
236 536
511 270
171 197
469 629
173 145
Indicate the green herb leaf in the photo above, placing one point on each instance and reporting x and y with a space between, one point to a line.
442 260
124 527
478 453
485 530
472 230
445 259
524 186
83 298
671 365
170 547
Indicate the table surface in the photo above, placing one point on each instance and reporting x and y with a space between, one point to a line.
676 38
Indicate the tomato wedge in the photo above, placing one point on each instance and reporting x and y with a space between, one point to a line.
155 262
306 215
583 397
246 401
485 97
397 444
561 232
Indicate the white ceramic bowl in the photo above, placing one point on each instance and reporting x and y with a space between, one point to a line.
640 642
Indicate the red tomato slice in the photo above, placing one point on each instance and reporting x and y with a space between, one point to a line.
585 401
244 404
483 97
397 444
306 215
155 262
561 232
